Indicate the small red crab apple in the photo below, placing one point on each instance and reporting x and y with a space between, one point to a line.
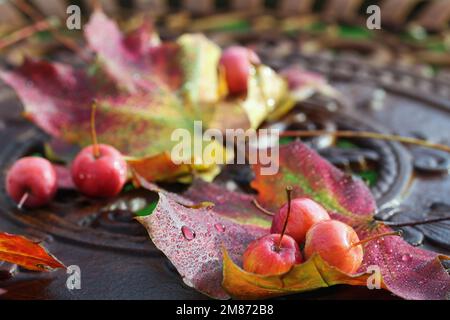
99 170
273 254
338 244
304 214
236 62
31 182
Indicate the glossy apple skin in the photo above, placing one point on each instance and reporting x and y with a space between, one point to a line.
304 214
262 257
237 62
35 176
333 241
100 177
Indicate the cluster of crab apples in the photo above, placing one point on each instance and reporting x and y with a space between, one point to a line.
302 222
98 171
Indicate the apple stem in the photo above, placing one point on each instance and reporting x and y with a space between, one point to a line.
393 233
261 208
95 149
23 200
289 194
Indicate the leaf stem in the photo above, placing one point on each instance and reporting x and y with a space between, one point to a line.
95 149
415 223
289 195
261 208
366 134
393 233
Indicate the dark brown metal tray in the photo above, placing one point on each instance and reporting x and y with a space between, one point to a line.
117 259
115 256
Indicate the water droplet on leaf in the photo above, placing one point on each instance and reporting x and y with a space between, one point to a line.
406 257
188 234
219 227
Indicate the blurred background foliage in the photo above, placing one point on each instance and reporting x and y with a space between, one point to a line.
414 33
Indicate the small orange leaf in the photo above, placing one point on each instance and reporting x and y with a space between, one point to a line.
26 253
158 167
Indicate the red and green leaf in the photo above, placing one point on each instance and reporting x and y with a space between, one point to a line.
58 99
136 61
193 239
311 175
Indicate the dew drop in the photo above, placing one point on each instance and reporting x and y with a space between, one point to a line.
188 234
219 227
406 257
